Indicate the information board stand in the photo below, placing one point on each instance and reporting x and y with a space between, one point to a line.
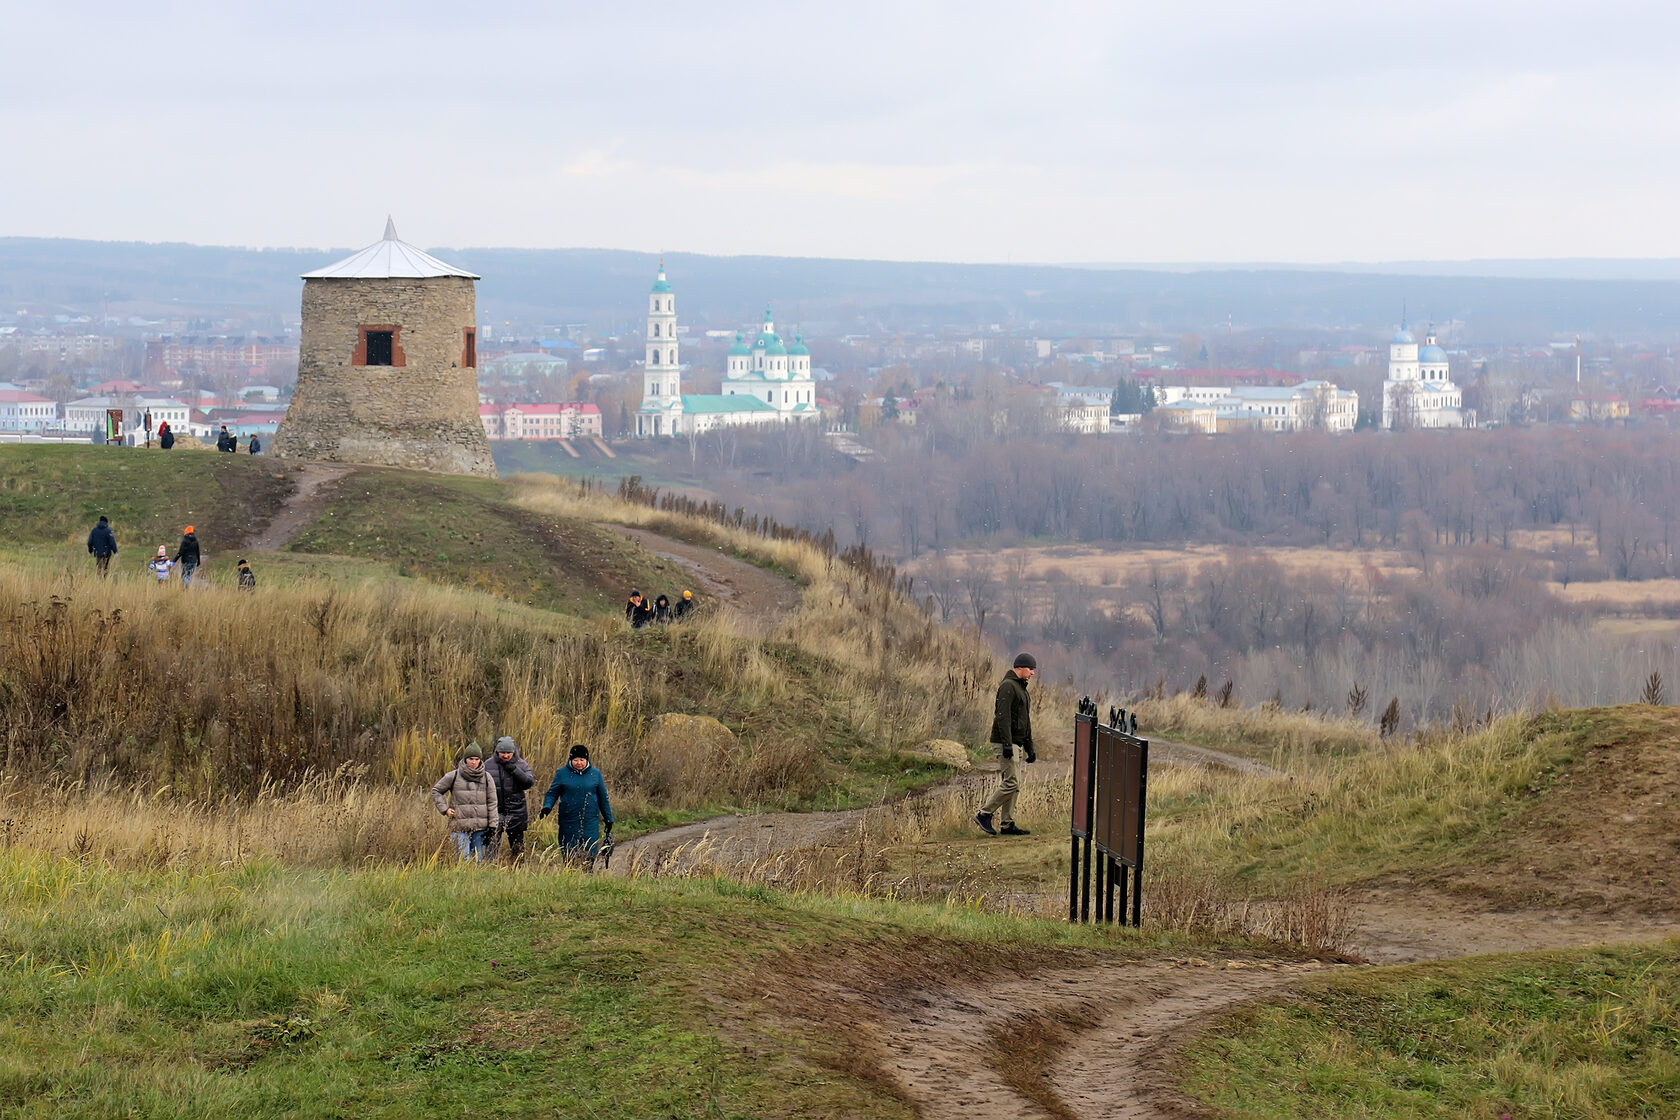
1110 784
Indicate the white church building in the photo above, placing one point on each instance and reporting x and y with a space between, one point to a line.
1419 392
766 383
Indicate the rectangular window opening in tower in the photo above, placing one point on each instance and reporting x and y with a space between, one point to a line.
469 347
379 348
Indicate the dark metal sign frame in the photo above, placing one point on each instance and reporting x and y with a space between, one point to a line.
1110 785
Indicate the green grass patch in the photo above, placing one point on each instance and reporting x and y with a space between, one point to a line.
464 531
255 992
53 493
1592 1033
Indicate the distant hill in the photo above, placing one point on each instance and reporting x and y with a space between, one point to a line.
605 288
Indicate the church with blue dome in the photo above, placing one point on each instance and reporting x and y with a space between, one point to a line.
765 382
1419 391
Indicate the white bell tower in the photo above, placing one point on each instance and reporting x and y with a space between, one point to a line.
661 411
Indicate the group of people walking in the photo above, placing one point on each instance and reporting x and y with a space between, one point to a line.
639 613
485 801
102 546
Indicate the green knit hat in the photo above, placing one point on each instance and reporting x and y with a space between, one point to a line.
473 751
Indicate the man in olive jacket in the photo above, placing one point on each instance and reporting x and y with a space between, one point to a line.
1011 728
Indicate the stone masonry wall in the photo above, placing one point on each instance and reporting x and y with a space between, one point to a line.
422 415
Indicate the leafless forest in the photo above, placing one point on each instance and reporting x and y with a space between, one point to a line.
1443 569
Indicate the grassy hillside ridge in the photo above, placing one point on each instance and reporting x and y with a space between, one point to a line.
252 991
216 692
465 531
1587 1033
1578 809
332 663
50 494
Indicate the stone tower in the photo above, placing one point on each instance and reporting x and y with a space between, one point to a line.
388 365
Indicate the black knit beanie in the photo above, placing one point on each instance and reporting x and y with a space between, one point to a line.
578 751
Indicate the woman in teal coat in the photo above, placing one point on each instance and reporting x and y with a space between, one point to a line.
580 793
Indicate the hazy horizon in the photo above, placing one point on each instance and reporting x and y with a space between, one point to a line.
1079 133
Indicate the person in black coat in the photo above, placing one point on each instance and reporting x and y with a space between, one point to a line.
662 609
187 556
637 612
166 436
513 776
254 446
102 543
684 605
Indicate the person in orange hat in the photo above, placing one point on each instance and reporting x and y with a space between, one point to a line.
187 556
684 605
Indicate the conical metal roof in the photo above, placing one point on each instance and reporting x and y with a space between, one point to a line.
386 258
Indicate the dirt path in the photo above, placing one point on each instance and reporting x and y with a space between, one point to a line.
303 507
761 596
948 1049
1110 1033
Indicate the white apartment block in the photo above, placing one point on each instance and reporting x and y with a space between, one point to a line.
1311 405
88 414
540 421
22 411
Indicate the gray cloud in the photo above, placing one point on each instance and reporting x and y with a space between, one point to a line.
1111 132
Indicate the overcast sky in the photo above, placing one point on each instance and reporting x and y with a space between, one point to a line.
1111 132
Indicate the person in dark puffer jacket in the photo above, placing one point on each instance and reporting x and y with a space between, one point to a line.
512 775
102 543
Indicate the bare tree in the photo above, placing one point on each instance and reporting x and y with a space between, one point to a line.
979 579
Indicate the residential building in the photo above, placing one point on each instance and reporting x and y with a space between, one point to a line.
88 414
572 420
22 411
1310 405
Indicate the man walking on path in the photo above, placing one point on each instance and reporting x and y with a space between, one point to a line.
187 556
513 777
579 792
1011 728
467 796
103 544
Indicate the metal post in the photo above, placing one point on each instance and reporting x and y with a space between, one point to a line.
1101 871
1125 882
1137 898
1073 879
1085 881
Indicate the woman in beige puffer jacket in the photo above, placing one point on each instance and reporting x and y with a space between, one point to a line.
467 796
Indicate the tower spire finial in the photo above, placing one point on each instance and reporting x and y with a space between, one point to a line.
390 228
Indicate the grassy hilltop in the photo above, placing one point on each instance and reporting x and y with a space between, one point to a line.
221 890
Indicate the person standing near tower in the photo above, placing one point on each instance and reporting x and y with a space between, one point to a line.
1011 728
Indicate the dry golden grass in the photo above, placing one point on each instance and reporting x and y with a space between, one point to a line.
1265 733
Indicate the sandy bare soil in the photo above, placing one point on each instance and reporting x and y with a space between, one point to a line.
302 508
